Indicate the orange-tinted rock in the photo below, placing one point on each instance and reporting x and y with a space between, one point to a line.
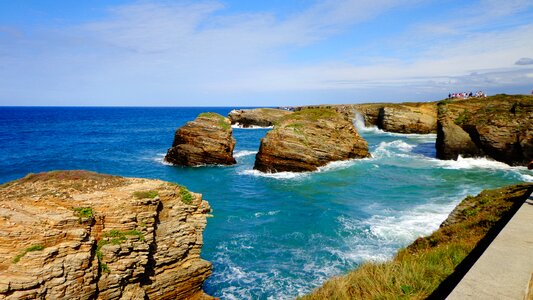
82 235
208 140
308 139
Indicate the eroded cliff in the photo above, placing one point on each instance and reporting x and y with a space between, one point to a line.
83 235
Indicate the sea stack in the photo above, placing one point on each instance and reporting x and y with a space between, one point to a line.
308 139
208 140
499 127
83 235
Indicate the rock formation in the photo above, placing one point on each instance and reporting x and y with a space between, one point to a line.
499 127
392 117
261 117
82 235
205 141
403 118
309 139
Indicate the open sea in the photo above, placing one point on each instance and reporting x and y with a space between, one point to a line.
273 236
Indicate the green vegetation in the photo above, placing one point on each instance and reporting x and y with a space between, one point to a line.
17 258
221 121
114 237
186 196
84 212
462 118
145 194
419 269
312 114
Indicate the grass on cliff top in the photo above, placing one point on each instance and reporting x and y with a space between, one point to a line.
66 175
114 237
221 120
418 270
145 194
185 194
312 114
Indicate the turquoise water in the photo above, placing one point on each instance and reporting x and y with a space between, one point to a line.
272 236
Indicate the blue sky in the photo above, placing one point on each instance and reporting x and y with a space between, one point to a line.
260 53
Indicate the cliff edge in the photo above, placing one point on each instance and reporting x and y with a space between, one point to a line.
83 235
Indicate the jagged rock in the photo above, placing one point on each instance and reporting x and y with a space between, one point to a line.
309 139
408 119
261 117
207 140
499 127
82 235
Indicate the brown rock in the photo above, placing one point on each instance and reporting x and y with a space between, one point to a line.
207 140
499 126
82 235
262 117
309 139
408 119
453 141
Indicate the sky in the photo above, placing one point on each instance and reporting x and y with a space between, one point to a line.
260 53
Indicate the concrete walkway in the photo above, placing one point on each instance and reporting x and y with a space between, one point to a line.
504 270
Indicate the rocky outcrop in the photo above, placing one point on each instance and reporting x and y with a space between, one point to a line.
309 139
392 117
453 141
499 127
260 117
408 118
208 140
82 235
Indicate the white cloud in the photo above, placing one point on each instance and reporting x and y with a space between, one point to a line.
156 53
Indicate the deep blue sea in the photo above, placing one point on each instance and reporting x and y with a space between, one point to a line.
273 236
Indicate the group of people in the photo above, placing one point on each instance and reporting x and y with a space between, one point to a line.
466 95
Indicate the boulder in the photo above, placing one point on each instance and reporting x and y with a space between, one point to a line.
208 140
308 139
498 127
260 117
83 235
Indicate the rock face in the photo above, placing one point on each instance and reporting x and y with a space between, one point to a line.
406 117
309 139
82 235
207 140
261 117
499 127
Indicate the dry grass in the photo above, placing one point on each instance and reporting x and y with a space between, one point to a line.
418 270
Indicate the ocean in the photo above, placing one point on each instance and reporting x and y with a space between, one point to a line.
272 236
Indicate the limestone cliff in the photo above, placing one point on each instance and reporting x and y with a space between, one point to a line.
82 235
499 127
308 139
208 140
262 117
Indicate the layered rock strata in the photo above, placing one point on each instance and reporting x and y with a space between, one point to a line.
308 139
499 127
82 235
260 117
208 140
